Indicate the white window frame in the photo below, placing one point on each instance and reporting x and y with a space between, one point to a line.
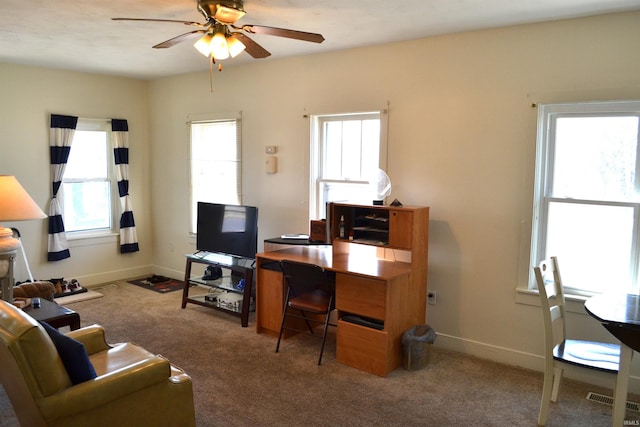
97 125
547 114
235 117
317 208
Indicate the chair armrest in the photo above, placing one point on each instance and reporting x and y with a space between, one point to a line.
105 388
93 338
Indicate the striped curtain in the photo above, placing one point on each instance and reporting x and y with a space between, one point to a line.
120 135
60 137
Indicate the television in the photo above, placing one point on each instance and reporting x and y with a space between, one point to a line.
227 229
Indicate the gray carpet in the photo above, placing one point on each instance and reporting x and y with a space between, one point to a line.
240 381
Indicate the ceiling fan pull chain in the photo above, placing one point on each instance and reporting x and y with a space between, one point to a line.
211 73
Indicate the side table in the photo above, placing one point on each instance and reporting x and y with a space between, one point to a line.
6 274
55 315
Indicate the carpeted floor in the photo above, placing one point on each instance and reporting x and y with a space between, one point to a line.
239 380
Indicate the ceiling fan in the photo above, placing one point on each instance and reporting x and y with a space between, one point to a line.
219 37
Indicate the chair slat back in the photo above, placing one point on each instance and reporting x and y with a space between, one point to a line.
303 278
552 301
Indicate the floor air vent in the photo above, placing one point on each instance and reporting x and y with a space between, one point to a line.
608 400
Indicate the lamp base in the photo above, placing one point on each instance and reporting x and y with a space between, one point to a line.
7 242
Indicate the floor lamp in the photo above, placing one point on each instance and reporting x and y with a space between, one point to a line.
15 205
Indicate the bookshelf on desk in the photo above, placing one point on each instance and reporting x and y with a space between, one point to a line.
239 270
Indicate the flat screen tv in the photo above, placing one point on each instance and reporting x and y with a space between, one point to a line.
227 229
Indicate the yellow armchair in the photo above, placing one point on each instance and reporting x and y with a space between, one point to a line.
132 387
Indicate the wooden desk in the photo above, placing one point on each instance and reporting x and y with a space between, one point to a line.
393 292
620 315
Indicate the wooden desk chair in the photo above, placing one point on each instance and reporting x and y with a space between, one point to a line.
310 294
558 349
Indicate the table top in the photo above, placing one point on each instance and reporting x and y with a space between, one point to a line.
47 310
617 309
340 263
226 261
297 242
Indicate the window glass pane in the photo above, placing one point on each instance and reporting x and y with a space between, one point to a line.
88 156
346 148
215 182
593 244
214 141
215 165
351 150
370 147
332 161
86 188
87 205
595 157
343 192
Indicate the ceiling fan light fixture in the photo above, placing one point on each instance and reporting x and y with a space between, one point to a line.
236 47
204 45
219 46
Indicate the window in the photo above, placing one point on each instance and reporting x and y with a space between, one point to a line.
587 194
346 152
86 185
215 150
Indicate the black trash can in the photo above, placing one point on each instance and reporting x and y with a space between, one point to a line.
416 346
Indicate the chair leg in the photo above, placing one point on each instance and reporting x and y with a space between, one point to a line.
557 379
546 396
307 322
324 335
284 315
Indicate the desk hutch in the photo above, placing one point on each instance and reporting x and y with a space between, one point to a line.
381 281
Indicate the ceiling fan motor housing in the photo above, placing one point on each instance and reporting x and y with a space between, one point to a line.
225 11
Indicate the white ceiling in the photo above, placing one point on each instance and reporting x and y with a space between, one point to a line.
79 34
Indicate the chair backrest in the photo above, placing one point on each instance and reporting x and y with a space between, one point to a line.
304 278
552 301
30 367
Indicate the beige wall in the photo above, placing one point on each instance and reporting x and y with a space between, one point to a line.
29 96
462 137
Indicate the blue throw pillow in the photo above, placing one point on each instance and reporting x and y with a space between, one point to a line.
73 354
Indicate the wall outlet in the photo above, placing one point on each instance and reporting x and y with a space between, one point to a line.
431 297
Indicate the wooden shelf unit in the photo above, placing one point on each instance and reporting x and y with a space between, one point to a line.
387 227
399 302
238 271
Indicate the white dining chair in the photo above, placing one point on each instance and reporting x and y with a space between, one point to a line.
558 350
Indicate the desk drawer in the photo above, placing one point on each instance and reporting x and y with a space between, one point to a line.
360 295
363 348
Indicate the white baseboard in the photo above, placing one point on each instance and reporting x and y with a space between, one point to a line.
529 361
174 274
92 280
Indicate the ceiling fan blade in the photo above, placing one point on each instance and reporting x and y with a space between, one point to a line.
180 38
251 47
196 24
282 32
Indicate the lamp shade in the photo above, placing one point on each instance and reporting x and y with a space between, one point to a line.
15 202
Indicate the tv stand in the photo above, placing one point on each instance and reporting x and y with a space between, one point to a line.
239 271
